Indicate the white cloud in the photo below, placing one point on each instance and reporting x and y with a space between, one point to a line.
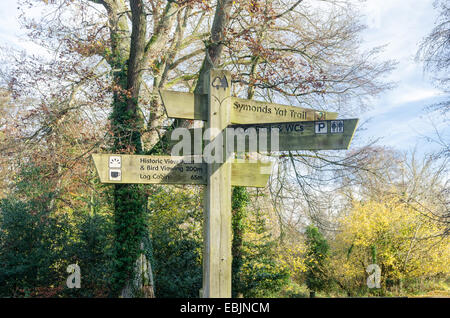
414 94
401 24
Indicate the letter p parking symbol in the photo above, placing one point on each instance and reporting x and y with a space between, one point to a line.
321 127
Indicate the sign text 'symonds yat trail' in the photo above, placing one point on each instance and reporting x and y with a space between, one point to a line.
243 111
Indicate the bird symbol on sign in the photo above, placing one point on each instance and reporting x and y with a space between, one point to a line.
220 82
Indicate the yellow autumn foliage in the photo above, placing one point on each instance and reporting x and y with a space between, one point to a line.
292 257
404 239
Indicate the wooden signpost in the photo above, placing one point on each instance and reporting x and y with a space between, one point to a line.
298 129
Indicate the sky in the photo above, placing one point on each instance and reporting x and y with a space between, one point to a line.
398 116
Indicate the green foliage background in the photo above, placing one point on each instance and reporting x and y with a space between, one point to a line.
41 234
39 238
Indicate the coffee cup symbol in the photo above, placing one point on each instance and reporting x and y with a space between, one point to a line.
114 175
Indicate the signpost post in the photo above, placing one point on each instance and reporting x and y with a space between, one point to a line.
217 234
297 129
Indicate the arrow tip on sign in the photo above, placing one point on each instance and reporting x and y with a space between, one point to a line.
160 92
97 162
353 134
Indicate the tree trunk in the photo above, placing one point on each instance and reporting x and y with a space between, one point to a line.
215 48
129 199
132 270
142 283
